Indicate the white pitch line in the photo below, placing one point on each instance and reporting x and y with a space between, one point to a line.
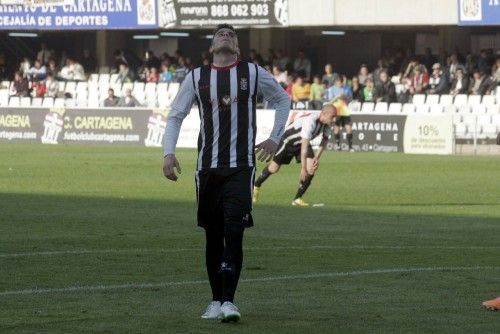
103 287
176 250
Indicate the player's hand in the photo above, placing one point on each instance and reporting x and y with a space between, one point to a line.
315 164
169 163
266 150
303 174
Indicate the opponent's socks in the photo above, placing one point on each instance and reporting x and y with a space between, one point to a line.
263 177
349 140
303 185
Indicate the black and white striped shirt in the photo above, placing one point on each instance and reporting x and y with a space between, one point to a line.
304 125
226 98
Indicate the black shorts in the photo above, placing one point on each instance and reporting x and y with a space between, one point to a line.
224 196
343 121
286 152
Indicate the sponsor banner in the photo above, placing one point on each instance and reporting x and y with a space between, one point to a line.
429 134
81 15
210 13
478 12
22 125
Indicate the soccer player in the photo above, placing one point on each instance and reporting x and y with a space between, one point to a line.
343 120
296 142
226 95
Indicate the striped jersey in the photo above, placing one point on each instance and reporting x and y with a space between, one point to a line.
226 99
304 125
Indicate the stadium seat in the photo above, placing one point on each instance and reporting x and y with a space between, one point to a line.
104 70
116 87
69 103
36 102
456 118
5 85
418 99
432 99
70 88
460 130
161 87
138 87
478 108
25 101
408 108
436 109
173 88
104 78
114 78
474 100
493 109
381 107
495 120
464 109
127 85
59 102
4 97
450 109
395 108
82 103
93 77
367 107
14 101
355 106
81 87
48 102
460 100
446 100
488 100
489 130
150 89
422 109
483 119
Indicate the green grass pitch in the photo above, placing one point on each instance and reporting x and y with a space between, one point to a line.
403 244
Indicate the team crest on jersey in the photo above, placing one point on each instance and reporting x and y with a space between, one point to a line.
226 100
243 84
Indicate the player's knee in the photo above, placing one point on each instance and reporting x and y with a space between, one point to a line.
311 170
273 168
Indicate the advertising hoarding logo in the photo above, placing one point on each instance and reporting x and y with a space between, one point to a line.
146 12
470 10
281 11
168 17
52 126
156 128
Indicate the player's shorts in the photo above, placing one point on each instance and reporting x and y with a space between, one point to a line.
224 196
343 121
286 152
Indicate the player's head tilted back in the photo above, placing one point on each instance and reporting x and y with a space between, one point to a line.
328 114
225 40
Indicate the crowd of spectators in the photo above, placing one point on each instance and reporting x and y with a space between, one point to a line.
397 76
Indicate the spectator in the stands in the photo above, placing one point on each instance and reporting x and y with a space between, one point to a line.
302 66
329 75
480 83
452 67
3 67
316 95
459 85
280 76
128 100
153 75
271 57
385 91
409 70
289 85
124 74
150 60
363 74
52 67
300 90
21 85
166 75
189 64
369 90
38 71
483 63
470 64
44 54
51 85
72 71
337 90
180 71
419 81
255 57
381 67
347 87
112 100
438 83
25 67
38 88
283 61
205 62
428 59
357 89
88 62
495 70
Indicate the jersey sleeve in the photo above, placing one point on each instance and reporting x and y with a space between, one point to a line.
308 126
278 100
179 110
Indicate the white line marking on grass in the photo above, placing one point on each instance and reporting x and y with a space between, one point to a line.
103 287
177 250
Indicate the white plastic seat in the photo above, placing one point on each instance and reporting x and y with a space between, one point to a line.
69 103
456 119
127 85
474 100
70 88
436 109
489 130
460 100
446 100
460 130
488 100
418 99
464 109
493 109
495 119
138 87
4 97
117 89
367 107
408 108
483 119
82 86
478 108
48 102
450 109
164 100
114 78
150 89
173 88
93 77
14 101
423 109
395 108
36 102
381 107
93 100
25 101
432 99
59 102
5 84
355 106
104 78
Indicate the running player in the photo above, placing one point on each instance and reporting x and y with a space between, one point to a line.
343 120
296 142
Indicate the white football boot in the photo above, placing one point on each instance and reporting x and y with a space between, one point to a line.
213 311
229 312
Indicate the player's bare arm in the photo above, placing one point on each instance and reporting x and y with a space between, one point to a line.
303 158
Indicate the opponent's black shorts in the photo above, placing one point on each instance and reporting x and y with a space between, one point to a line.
343 121
224 196
286 152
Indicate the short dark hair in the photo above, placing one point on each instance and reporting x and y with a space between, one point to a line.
224 26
